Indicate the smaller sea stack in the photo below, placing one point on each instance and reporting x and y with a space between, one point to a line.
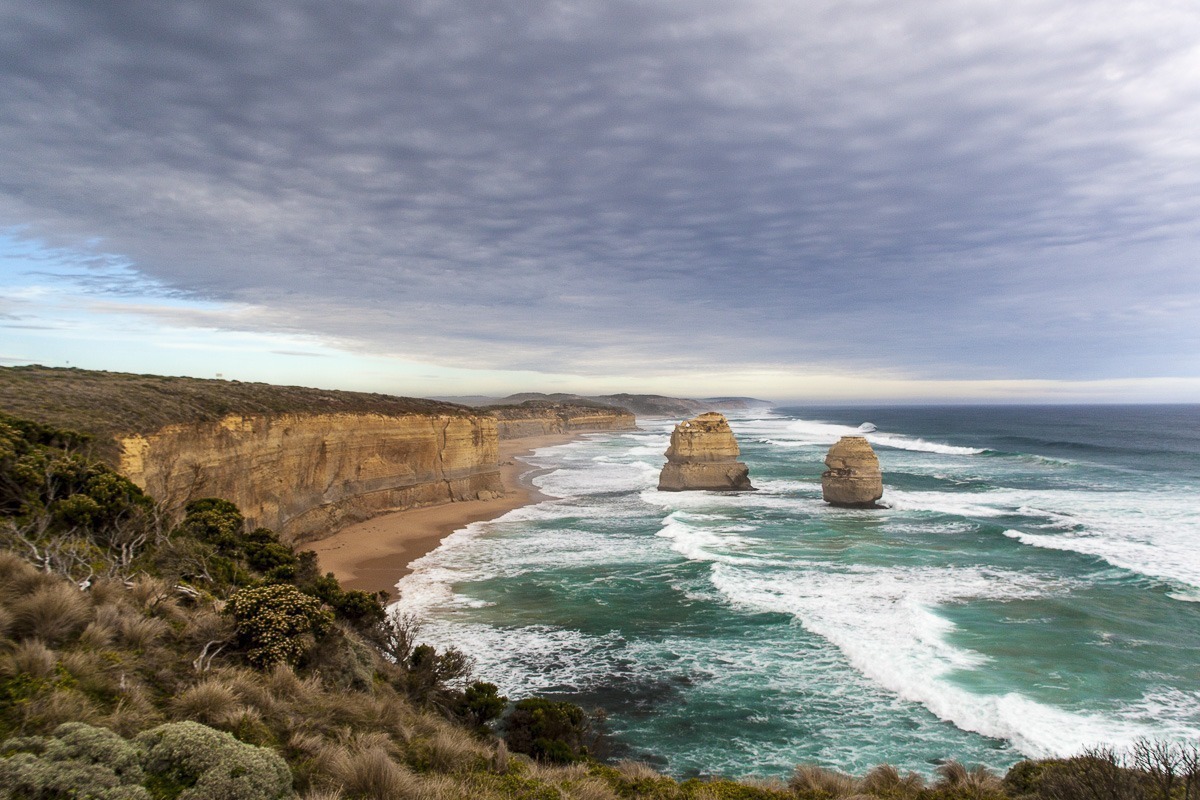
703 456
853 479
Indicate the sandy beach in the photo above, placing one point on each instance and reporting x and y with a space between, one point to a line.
373 555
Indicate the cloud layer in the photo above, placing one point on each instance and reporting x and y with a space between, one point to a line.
934 188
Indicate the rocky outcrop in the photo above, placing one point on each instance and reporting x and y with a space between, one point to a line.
538 418
305 475
853 479
703 455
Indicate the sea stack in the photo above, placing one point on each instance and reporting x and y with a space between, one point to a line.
853 479
703 456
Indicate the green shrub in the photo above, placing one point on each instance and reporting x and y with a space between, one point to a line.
1096 774
482 703
548 730
277 623
270 557
200 763
216 522
362 610
76 762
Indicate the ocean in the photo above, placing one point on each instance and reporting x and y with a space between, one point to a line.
1033 588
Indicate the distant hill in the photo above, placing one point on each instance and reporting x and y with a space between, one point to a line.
643 405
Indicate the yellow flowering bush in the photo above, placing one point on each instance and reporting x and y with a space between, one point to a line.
277 623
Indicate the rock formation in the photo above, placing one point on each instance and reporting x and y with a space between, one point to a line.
853 479
703 455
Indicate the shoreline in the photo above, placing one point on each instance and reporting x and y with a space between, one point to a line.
374 554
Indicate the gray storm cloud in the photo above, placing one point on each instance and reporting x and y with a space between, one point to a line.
971 190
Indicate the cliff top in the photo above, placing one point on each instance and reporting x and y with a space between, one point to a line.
110 403
643 405
518 410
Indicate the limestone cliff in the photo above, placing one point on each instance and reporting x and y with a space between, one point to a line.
539 418
300 460
306 475
853 479
703 455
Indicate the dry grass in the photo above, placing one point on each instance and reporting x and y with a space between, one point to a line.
31 658
637 770
370 773
140 633
886 781
212 702
456 750
976 782
18 578
103 629
810 780
590 789
51 613
48 710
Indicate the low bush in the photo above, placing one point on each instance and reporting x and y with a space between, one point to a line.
547 730
277 623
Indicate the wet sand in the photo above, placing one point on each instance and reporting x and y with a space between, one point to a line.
373 555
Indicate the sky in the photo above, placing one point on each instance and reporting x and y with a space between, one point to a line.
825 201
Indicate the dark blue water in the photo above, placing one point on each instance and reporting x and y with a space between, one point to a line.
1033 588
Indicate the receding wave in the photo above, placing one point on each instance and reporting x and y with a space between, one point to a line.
885 621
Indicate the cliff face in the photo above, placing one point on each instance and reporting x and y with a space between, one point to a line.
703 455
539 419
306 475
853 479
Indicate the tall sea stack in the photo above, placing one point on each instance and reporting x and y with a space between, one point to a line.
703 455
853 479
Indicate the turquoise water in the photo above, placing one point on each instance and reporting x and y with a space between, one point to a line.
1033 588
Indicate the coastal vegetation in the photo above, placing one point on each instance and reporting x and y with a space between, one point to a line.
144 656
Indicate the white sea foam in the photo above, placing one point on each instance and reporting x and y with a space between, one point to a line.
710 542
599 478
885 622
920 445
807 432
963 504
530 659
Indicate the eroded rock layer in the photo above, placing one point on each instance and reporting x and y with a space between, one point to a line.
307 475
853 479
703 456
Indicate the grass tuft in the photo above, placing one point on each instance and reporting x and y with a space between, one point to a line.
140 633
371 774
52 613
211 702
886 781
637 770
973 782
819 783
30 658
